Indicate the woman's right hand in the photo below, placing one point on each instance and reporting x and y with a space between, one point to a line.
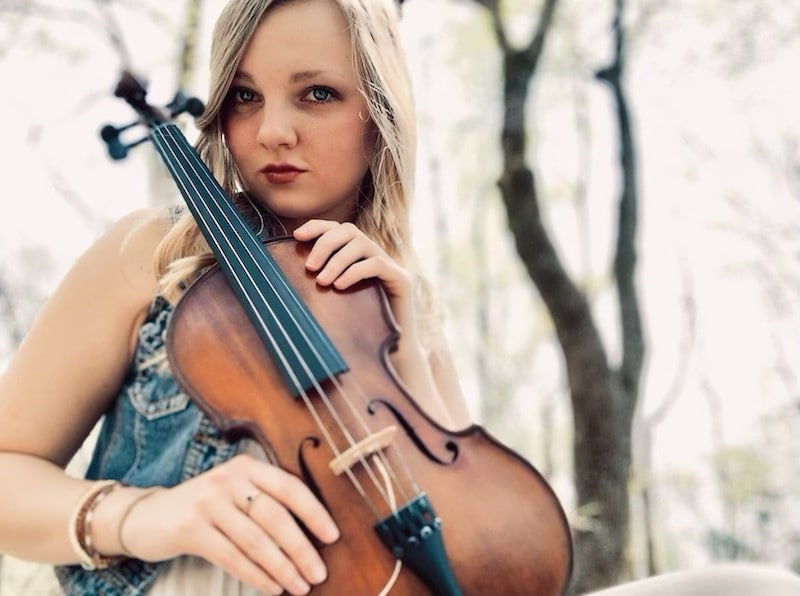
238 516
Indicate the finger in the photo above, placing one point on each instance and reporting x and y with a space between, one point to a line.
276 521
313 228
257 542
332 241
393 278
218 550
354 251
297 498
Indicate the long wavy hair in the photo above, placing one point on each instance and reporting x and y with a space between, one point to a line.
384 192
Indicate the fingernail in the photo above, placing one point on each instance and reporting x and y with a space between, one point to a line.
333 534
300 587
318 572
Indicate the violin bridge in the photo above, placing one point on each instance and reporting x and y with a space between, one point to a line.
361 450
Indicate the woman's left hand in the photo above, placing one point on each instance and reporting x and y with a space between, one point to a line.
343 255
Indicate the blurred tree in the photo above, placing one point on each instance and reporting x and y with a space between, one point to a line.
755 509
603 400
23 272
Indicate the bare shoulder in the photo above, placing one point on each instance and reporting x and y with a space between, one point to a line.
135 238
83 338
116 274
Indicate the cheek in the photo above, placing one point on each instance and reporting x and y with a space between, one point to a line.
235 135
351 151
362 142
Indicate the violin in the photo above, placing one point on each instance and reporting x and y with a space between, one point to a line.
268 354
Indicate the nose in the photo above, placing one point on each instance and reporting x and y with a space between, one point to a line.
277 128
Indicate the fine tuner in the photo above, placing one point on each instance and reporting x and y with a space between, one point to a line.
132 89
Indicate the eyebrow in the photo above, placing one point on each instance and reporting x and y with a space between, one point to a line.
240 75
297 77
305 75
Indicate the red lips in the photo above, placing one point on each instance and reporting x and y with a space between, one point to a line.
281 173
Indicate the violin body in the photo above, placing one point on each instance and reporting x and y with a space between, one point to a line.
266 353
503 529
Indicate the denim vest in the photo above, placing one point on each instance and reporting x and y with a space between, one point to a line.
152 435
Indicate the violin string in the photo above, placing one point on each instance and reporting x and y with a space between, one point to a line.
353 410
399 562
295 381
331 377
386 466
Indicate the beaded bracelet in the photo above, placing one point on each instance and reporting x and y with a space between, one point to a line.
80 526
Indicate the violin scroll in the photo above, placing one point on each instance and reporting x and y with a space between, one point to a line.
134 91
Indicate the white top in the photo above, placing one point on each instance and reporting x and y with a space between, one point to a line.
192 575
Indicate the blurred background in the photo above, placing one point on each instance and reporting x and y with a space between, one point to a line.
607 200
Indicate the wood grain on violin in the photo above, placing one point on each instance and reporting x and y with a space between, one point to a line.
304 370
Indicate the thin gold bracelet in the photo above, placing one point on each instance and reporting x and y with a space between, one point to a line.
139 498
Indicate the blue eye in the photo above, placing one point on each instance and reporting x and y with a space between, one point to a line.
241 95
320 95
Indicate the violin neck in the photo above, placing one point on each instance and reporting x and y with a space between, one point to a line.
299 347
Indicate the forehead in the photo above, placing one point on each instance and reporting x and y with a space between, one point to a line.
301 34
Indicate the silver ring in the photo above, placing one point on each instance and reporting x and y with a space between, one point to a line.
249 500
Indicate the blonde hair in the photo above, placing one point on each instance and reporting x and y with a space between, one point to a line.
379 63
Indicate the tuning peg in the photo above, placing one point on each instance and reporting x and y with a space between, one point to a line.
134 91
118 150
183 103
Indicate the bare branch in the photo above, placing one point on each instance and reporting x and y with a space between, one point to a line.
114 33
61 186
534 50
48 12
497 22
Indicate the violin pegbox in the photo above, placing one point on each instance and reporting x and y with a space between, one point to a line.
134 92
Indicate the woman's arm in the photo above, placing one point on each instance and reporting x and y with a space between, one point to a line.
68 367
448 385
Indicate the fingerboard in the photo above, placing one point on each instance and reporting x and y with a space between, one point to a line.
298 345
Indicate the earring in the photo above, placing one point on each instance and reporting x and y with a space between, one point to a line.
227 158
361 117
258 212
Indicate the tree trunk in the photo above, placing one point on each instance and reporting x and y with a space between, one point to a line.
627 378
602 401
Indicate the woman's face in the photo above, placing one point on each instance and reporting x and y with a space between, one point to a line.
294 119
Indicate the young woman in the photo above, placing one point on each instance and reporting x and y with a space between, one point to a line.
309 125
309 128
